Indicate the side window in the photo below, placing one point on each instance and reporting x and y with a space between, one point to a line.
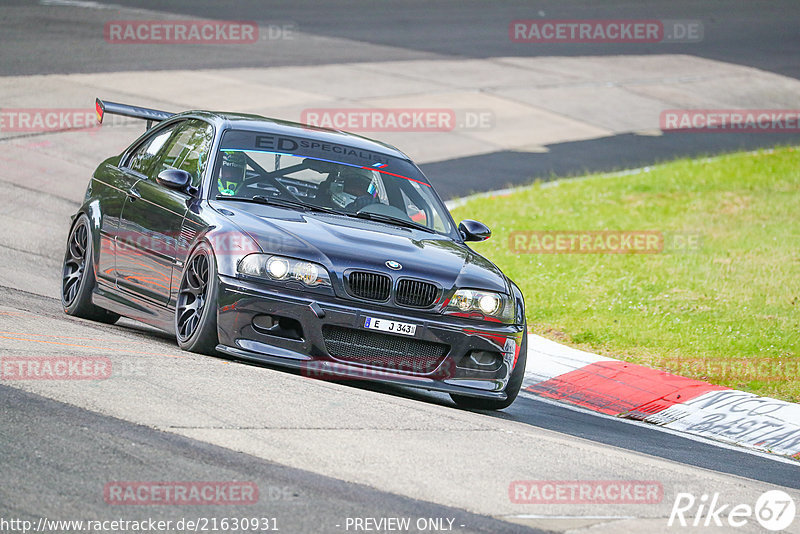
188 149
143 158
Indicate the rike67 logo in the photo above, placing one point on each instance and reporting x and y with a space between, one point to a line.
774 510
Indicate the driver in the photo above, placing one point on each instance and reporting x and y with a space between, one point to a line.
361 187
231 173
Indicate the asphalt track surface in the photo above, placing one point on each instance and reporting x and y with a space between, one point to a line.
322 452
57 457
57 473
757 34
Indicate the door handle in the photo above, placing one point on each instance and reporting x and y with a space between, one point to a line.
133 194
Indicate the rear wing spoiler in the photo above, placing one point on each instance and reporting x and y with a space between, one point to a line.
150 115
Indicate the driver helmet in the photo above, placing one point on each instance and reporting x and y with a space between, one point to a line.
357 184
232 172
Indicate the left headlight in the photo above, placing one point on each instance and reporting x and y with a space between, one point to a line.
280 268
481 305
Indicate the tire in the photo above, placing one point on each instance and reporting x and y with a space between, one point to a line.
78 275
512 388
196 308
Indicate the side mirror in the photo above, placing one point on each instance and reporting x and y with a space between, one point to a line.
174 179
473 230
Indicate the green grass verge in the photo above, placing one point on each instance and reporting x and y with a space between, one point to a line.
726 310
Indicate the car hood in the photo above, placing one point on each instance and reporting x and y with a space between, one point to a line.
340 243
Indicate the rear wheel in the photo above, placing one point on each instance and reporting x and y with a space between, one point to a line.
512 388
78 277
196 309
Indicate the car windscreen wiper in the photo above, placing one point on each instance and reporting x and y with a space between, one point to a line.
393 220
279 201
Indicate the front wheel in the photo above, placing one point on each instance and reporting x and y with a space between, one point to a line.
196 309
77 275
512 388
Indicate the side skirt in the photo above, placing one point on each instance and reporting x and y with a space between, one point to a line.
133 307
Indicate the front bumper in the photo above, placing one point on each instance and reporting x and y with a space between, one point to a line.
302 338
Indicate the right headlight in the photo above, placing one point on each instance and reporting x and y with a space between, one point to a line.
478 304
280 268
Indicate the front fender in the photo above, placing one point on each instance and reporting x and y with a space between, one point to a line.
90 208
519 302
229 246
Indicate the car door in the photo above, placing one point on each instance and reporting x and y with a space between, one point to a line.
150 225
119 181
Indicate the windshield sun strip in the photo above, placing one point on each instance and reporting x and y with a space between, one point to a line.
290 154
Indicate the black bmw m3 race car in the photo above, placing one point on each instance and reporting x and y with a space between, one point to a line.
297 246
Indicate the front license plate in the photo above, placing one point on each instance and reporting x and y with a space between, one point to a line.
394 327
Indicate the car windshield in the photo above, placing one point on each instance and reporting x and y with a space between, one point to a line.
363 184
